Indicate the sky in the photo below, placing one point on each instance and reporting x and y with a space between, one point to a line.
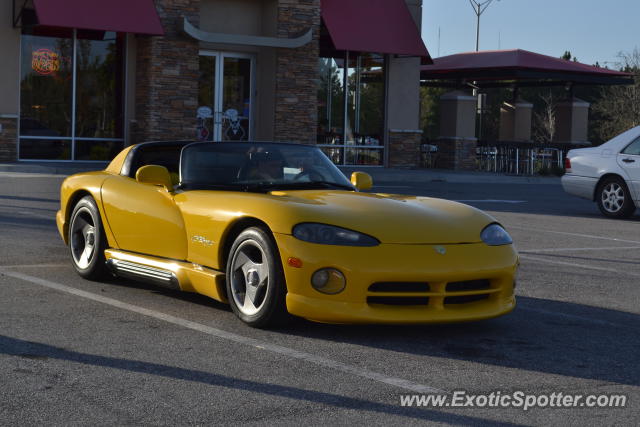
592 30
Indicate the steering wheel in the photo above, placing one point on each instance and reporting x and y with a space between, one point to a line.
311 174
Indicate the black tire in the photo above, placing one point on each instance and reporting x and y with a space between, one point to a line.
85 229
614 199
265 305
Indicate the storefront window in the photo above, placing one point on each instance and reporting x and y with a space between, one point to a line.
71 99
224 97
357 137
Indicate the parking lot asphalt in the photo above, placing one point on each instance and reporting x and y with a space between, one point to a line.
120 352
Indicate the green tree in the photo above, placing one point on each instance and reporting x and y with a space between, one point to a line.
619 106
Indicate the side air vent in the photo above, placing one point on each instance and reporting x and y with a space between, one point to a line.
465 299
399 287
469 285
398 300
135 271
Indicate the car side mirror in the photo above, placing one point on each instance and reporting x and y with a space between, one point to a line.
154 175
362 181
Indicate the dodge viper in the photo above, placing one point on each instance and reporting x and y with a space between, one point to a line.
275 230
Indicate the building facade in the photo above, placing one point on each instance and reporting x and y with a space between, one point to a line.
84 78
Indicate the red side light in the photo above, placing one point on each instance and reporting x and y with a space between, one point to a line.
567 163
295 262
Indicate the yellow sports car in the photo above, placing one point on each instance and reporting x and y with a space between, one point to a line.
276 229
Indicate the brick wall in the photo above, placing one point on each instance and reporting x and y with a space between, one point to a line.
458 154
167 70
296 104
8 139
404 149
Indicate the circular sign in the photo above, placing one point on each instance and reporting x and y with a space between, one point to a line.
45 61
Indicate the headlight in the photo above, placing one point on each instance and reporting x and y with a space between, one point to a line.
331 235
495 235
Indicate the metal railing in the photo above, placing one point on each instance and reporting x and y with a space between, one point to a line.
520 160
516 158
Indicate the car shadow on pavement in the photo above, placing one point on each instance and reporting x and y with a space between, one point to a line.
44 352
190 297
540 335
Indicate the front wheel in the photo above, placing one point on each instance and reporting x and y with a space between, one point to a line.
87 240
614 199
255 281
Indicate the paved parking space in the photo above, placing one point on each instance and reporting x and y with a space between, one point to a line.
124 352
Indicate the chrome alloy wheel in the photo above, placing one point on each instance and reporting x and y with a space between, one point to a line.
83 238
612 197
249 277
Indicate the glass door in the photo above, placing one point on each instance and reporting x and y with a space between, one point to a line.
225 99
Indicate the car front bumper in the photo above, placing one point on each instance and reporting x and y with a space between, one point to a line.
390 264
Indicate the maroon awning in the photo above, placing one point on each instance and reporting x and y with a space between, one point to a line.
517 65
375 26
127 16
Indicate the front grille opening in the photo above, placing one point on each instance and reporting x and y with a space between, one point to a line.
400 287
469 285
465 299
398 300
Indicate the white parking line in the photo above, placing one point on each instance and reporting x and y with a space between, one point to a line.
218 333
491 201
391 186
565 233
601 248
585 266
35 265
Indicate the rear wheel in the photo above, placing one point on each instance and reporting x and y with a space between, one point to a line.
614 199
87 240
255 281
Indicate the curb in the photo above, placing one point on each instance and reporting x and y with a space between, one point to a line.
379 175
53 168
412 176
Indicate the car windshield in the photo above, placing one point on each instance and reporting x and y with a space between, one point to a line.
257 167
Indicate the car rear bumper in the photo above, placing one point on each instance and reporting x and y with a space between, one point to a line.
581 186
487 274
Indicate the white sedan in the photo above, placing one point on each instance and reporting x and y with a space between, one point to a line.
608 174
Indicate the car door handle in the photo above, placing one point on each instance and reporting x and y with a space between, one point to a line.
628 160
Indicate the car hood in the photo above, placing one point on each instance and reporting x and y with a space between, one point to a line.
389 218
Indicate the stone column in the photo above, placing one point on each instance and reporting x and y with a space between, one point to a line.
9 82
296 98
403 104
457 142
515 121
8 137
403 112
167 71
572 120
404 148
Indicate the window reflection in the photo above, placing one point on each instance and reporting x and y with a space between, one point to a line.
363 123
331 101
46 84
47 97
99 83
45 149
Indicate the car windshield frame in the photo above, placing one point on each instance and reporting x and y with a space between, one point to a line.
257 167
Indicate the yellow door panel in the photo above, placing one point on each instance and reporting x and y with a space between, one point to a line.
205 219
144 218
